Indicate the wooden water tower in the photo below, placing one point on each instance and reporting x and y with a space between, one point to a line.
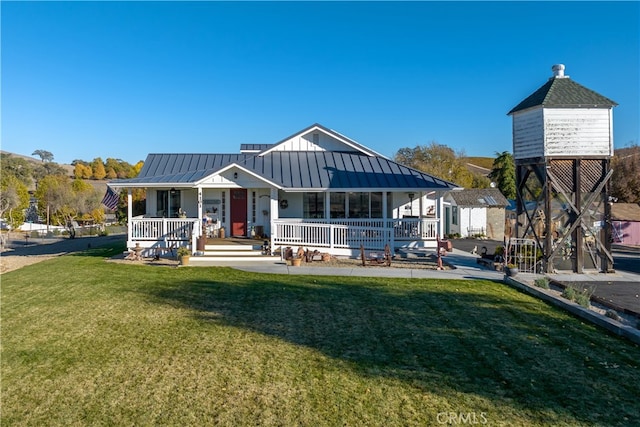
562 147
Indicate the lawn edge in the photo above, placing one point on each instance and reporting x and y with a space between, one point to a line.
597 319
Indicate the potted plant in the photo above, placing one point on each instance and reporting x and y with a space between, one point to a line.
511 270
184 255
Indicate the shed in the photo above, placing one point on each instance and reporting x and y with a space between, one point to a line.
476 211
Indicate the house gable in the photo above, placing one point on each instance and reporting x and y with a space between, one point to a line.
319 138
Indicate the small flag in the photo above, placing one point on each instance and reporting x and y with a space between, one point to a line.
111 198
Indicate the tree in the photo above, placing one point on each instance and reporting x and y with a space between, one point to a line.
503 174
45 156
14 199
46 169
437 160
98 168
625 181
16 166
66 199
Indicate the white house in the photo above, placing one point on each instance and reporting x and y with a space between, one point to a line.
316 188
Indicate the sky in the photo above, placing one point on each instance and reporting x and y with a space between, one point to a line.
124 79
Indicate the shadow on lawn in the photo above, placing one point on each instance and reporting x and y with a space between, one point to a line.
441 338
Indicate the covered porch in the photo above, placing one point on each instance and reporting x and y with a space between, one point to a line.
328 230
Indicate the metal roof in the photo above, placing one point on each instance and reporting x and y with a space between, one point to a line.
254 148
339 170
299 170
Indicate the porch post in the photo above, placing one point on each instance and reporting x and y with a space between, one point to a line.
388 224
129 215
199 205
440 202
273 208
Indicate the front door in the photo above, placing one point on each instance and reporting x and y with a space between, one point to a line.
239 212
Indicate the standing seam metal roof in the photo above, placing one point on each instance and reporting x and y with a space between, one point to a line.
291 169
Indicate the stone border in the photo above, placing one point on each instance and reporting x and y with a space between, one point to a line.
611 325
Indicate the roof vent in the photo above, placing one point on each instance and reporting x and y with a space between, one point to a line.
558 71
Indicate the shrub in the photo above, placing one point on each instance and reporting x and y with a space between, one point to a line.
580 296
612 314
569 293
542 282
183 250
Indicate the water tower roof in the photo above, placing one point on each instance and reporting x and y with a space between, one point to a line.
562 92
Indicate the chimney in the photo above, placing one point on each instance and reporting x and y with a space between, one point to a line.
558 71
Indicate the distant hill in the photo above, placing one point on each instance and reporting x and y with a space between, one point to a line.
69 168
479 165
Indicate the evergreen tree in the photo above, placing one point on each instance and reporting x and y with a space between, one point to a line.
503 174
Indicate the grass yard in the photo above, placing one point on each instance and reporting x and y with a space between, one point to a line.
87 342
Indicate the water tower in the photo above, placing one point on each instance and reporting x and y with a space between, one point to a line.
562 147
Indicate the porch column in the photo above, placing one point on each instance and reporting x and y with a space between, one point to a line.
129 214
388 223
273 208
440 204
200 205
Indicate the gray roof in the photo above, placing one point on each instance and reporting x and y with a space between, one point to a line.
255 147
298 170
479 197
562 92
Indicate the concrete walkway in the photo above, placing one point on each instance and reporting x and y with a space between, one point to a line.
464 263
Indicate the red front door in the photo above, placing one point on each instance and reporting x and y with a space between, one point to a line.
239 212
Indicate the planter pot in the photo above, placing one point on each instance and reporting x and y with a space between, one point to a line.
296 262
184 259
511 271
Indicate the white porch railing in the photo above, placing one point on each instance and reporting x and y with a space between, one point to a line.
164 232
351 233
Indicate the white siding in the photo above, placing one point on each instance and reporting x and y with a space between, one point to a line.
578 132
528 135
472 218
306 143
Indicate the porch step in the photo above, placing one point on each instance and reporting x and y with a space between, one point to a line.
234 248
205 259
241 253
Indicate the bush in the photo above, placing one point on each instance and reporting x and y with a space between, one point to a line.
580 296
612 314
569 293
542 282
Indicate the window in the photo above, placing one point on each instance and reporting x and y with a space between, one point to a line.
313 204
168 203
376 205
224 207
358 205
454 215
253 206
337 205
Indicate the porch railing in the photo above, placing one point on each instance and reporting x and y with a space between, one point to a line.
351 233
166 231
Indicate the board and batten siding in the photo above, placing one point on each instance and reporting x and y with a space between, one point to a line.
313 142
563 132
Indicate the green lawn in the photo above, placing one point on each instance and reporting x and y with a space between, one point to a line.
86 342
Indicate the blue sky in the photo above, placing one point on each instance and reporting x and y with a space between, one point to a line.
100 79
